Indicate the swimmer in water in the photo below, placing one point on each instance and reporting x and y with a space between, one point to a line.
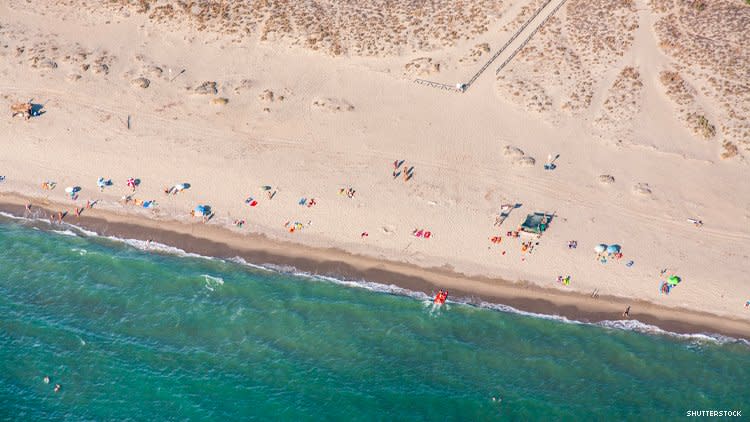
57 388
46 379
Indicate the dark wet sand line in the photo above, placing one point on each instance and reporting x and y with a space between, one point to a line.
210 240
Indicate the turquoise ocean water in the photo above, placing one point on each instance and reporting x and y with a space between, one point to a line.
135 335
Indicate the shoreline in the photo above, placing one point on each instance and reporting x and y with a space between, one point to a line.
213 241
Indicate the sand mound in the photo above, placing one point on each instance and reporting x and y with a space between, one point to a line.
154 71
606 179
140 82
513 152
100 68
518 157
524 161
206 88
266 96
332 104
642 189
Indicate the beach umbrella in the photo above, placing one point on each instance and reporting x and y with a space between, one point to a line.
600 248
72 189
613 248
674 280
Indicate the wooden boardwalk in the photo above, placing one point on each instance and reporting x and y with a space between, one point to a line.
461 88
523 44
437 85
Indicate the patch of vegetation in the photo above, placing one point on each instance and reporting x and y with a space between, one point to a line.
702 126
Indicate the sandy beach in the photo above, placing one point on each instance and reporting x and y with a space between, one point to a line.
647 120
212 241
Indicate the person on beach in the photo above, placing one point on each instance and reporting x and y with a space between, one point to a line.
78 211
626 314
28 207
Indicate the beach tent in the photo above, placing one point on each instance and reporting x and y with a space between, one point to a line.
202 210
674 280
613 249
600 248
536 223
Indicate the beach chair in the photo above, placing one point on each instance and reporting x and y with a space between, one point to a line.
505 210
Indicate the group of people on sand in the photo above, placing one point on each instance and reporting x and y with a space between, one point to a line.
401 169
174 190
309 203
127 199
422 233
349 192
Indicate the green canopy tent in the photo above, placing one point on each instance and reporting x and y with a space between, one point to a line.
536 223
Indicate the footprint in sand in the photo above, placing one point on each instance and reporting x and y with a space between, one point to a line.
642 189
387 230
606 179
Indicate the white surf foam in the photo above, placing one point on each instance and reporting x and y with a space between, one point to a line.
212 282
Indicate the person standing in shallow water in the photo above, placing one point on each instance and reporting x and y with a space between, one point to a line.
626 314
